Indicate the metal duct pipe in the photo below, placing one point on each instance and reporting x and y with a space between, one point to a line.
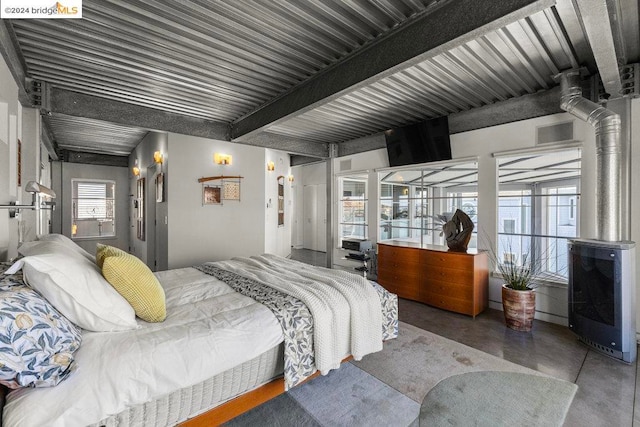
608 153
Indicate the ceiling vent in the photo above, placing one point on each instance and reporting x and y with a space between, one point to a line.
560 132
345 165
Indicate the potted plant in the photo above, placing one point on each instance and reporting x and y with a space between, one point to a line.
518 296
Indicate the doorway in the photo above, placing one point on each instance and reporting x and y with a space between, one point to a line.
315 217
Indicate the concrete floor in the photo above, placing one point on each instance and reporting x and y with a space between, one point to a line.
606 394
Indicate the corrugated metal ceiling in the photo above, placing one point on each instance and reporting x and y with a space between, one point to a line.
215 60
93 136
221 60
518 59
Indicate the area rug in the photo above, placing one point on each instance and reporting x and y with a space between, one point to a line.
385 388
497 398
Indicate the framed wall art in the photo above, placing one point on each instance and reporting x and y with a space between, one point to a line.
160 187
211 195
280 201
140 225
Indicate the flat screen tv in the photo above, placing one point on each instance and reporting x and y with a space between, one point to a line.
422 142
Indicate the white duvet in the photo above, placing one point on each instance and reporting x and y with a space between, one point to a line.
209 329
346 309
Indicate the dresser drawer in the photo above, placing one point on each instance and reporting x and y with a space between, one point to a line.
448 303
447 259
446 289
398 254
449 275
406 284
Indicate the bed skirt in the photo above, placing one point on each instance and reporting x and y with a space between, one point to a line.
188 402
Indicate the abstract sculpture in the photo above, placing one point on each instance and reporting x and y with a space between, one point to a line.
457 231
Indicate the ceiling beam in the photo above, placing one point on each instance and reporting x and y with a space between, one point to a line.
13 59
94 158
524 107
297 160
435 31
49 141
600 33
81 105
287 143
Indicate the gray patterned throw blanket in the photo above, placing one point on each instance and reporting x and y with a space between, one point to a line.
261 278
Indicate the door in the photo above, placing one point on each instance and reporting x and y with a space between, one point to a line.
315 217
310 233
321 214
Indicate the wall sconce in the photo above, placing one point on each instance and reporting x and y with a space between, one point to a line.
271 166
136 169
36 190
222 159
290 178
158 157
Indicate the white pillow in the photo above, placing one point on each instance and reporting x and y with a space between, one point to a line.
64 240
39 247
76 288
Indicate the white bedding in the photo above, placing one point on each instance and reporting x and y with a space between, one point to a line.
209 329
347 313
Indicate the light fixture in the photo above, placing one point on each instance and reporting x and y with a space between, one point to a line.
136 169
222 159
290 178
271 166
36 190
158 157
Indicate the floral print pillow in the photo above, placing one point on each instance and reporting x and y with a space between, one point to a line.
36 342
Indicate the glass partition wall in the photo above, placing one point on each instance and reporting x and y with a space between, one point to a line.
415 203
538 210
353 207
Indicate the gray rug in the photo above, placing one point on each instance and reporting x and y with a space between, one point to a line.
345 397
384 389
492 399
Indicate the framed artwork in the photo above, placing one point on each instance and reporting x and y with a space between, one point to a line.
231 191
140 225
160 187
280 201
211 195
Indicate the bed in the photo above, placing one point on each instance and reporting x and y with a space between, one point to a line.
249 325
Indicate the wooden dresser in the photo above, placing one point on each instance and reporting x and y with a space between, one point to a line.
434 275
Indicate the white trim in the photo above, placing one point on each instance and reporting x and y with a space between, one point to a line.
571 145
440 164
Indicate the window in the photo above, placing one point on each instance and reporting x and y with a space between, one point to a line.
538 210
353 207
93 209
412 202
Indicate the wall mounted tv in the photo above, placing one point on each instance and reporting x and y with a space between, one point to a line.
422 142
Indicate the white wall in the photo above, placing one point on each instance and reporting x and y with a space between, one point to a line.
30 125
278 238
8 189
635 195
153 249
63 173
200 233
551 304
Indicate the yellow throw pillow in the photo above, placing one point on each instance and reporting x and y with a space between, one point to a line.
137 284
104 251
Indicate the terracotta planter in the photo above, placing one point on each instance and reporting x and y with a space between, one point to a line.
519 308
